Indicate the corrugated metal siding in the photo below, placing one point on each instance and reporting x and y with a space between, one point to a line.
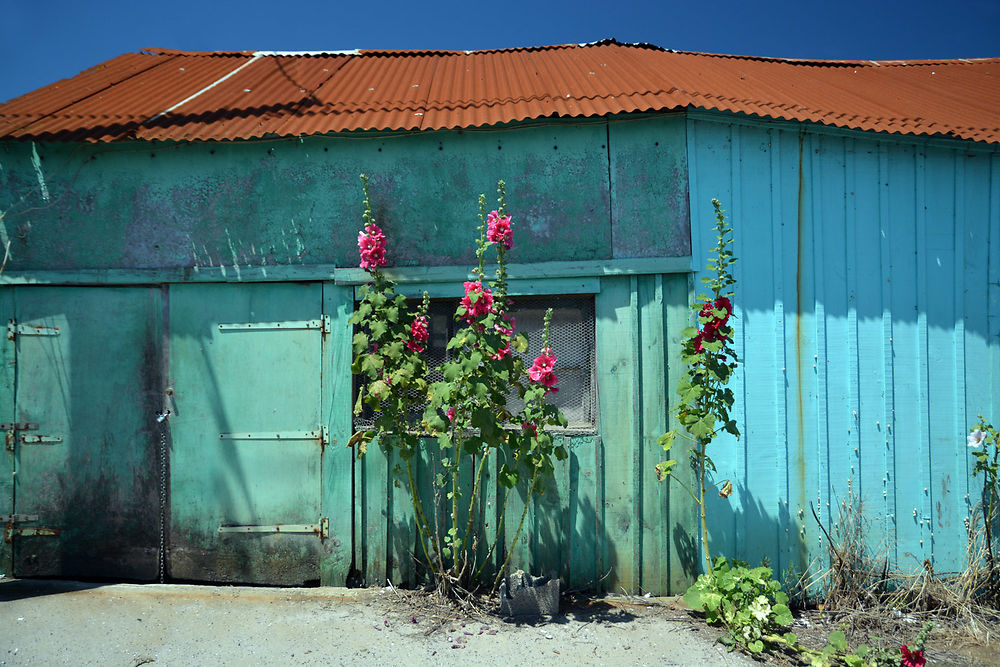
869 329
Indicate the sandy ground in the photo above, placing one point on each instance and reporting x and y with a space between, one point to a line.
68 623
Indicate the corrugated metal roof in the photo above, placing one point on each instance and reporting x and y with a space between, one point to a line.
163 94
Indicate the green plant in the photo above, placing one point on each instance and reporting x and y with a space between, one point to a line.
705 398
466 414
837 651
984 439
744 600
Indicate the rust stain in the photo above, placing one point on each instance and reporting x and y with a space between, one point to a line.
800 453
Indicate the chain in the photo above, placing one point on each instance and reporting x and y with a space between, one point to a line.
162 419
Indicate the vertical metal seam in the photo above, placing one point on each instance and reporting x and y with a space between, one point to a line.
961 416
923 339
638 428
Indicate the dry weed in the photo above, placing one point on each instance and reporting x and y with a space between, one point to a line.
863 592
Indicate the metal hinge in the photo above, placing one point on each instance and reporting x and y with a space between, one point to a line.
322 323
14 330
10 431
10 532
322 434
321 529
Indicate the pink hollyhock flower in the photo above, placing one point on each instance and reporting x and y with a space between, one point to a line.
530 426
498 230
502 353
371 242
418 334
542 370
912 658
451 414
483 301
505 330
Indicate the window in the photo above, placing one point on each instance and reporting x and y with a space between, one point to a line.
571 337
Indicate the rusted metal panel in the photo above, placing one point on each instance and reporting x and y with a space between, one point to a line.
87 473
169 95
233 480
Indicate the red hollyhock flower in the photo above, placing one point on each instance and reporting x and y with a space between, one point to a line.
912 658
418 334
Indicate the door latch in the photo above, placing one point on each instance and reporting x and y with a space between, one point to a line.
10 532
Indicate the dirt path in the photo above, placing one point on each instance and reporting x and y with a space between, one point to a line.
67 623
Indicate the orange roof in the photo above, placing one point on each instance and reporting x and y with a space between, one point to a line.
162 94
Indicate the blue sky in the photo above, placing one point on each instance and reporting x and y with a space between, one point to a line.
42 42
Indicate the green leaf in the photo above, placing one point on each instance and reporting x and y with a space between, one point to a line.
470 363
703 427
360 342
379 329
378 390
791 638
756 646
838 641
665 468
372 364
666 440
782 616
711 600
451 370
693 599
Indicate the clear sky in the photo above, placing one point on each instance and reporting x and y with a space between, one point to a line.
42 41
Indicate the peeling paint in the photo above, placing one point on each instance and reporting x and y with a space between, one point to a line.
36 162
232 251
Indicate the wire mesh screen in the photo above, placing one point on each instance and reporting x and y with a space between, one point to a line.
571 337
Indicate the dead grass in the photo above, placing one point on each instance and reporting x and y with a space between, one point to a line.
863 595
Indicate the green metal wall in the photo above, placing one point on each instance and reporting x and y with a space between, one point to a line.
604 521
578 191
600 208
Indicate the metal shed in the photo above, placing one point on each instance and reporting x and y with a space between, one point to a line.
179 231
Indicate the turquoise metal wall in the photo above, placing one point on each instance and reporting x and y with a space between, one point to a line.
867 319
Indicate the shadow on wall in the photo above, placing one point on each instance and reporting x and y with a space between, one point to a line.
562 533
740 527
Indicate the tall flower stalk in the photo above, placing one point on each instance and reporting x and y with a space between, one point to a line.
705 398
465 415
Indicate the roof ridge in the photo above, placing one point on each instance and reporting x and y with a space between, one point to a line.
611 41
